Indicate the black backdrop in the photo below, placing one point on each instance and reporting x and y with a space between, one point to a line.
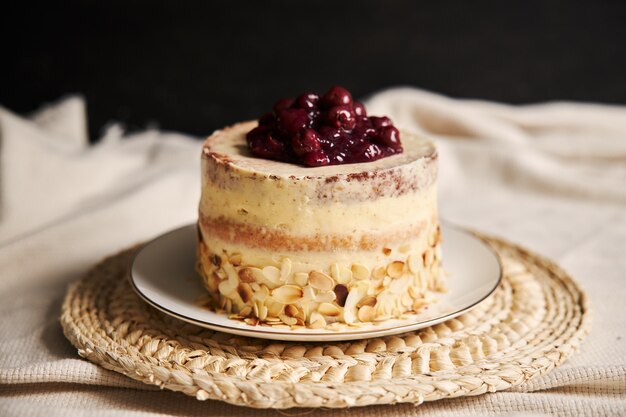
196 66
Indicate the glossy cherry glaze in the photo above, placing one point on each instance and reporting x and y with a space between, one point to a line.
328 130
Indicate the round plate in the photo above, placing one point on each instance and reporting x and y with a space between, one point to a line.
163 274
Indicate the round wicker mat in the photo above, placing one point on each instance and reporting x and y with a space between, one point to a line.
530 324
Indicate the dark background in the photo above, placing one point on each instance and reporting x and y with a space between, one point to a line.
196 66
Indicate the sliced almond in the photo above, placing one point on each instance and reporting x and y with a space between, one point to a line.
325 297
416 263
334 271
368 300
272 274
213 281
250 274
406 300
232 275
245 312
429 255
285 269
395 269
235 259
404 249
366 313
360 271
263 312
379 273
301 278
438 252
245 292
317 321
385 304
341 274
291 310
401 285
349 309
321 281
329 310
252 321
274 309
261 294
308 293
432 238
287 294
290 321
415 293
225 288
419 304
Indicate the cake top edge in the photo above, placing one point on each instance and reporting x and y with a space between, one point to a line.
228 146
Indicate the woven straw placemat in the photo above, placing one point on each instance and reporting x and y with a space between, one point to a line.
534 320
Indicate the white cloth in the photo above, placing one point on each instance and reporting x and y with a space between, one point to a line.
551 177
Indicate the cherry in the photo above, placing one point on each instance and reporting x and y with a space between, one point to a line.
291 121
380 122
389 136
342 116
307 101
359 109
315 159
268 119
283 104
268 146
329 130
337 96
305 142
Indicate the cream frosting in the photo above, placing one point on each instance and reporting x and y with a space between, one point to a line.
269 230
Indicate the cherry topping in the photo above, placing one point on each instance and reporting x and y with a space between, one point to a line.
379 122
315 159
291 121
305 142
389 136
342 116
327 130
359 109
282 104
337 96
307 101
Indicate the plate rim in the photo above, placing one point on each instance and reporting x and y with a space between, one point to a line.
351 335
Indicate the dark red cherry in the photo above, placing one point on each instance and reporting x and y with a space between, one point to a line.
342 117
389 136
359 109
268 119
380 122
305 142
315 159
337 96
316 131
283 104
291 121
307 101
267 147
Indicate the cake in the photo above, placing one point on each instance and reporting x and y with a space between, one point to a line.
327 246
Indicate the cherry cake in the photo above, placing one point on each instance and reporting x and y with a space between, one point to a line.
319 216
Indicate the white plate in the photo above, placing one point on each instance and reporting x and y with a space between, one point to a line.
163 274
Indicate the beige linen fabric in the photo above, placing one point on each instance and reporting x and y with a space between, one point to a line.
551 177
